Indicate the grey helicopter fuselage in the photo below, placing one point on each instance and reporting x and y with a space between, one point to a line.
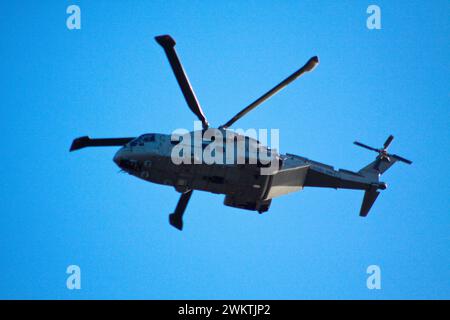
245 185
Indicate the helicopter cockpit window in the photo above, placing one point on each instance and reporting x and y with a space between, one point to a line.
149 138
142 139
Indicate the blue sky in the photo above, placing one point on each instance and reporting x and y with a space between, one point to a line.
111 79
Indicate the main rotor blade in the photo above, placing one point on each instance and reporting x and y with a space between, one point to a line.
388 141
306 68
176 218
85 141
365 146
168 44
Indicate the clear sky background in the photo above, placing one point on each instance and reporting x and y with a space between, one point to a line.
111 79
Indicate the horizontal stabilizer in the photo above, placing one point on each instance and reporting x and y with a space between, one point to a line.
369 198
82 142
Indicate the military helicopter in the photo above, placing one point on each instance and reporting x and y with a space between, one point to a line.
150 157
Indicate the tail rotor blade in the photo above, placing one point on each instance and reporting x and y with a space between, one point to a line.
306 68
168 44
400 158
388 141
365 146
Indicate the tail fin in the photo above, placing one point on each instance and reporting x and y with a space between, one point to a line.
376 168
369 198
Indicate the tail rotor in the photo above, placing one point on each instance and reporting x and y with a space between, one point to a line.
382 152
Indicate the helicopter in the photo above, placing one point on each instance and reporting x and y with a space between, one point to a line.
150 157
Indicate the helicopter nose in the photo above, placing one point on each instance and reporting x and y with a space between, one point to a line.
122 159
118 157
125 161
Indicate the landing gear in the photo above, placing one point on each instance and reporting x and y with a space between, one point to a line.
176 218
